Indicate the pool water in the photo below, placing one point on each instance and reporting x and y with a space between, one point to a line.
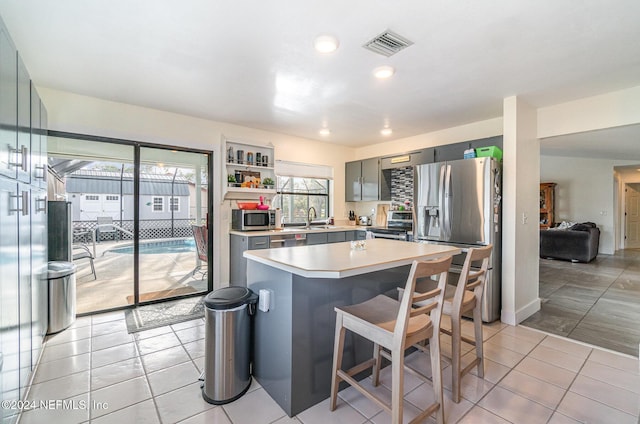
158 247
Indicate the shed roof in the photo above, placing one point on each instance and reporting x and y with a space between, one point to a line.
102 182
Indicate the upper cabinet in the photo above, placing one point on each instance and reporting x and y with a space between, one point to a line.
249 170
38 141
456 151
8 101
362 180
23 154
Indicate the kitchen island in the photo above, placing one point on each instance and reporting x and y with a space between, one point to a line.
293 349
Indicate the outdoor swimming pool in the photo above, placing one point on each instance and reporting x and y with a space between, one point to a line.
158 247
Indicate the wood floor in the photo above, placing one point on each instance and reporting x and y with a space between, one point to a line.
597 303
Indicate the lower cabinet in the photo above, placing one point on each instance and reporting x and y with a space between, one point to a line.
237 262
10 350
317 238
337 237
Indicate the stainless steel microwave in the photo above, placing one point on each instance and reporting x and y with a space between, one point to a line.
252 219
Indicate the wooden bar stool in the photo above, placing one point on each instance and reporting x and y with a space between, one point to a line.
467 298
395 325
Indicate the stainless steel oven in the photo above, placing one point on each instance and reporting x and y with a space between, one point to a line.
399 226
400 219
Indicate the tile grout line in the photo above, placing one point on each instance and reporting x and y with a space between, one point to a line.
504 376
594 303
571 384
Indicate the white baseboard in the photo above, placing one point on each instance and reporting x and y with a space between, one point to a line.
516 317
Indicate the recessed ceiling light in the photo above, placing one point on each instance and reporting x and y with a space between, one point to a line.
386 131
325 132
326 43
383 71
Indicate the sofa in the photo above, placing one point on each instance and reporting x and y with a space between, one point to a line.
578 243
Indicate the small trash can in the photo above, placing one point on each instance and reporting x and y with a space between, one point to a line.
227 344
61 278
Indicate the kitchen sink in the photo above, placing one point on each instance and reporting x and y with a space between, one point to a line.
313 227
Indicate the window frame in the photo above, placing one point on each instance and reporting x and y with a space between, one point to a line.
170 200
154 204
282 196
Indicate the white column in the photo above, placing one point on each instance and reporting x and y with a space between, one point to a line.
520 227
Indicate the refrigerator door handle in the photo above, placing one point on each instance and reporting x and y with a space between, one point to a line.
441 201
447 203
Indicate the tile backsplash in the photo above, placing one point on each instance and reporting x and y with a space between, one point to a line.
402 184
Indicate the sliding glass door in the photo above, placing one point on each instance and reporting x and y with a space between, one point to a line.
137 219
91 192
172 232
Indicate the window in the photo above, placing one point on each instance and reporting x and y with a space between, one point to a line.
113 198
91 197
174 204
158 204
295 195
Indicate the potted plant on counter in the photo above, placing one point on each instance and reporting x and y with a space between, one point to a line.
231 180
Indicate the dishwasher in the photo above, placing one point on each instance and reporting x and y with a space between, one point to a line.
287 240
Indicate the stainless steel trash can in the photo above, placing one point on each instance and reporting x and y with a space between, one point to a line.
61 278
227 349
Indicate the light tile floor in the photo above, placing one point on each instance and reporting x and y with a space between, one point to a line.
152 377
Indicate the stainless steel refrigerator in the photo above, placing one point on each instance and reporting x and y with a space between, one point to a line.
459 203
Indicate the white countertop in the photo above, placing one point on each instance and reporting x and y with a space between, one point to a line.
338 260
300 230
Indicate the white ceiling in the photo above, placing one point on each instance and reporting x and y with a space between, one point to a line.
252 63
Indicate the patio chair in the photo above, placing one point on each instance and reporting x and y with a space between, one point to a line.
200 236
104 227
82 252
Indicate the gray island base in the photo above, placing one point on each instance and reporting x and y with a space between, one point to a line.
293 340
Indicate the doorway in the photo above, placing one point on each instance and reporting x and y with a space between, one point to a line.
133 207
632 216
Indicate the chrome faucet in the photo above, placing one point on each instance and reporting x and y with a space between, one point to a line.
315 215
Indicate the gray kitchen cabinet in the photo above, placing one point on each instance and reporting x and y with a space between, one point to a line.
23 227
8 102
361 235
317 238
336 237
237 262
39 289
9 297
260 242
361 180
456 151
352 174
24 286
38 141
413 158
23 155
451 151
350 235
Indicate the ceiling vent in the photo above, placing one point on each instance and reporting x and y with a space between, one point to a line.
387 44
